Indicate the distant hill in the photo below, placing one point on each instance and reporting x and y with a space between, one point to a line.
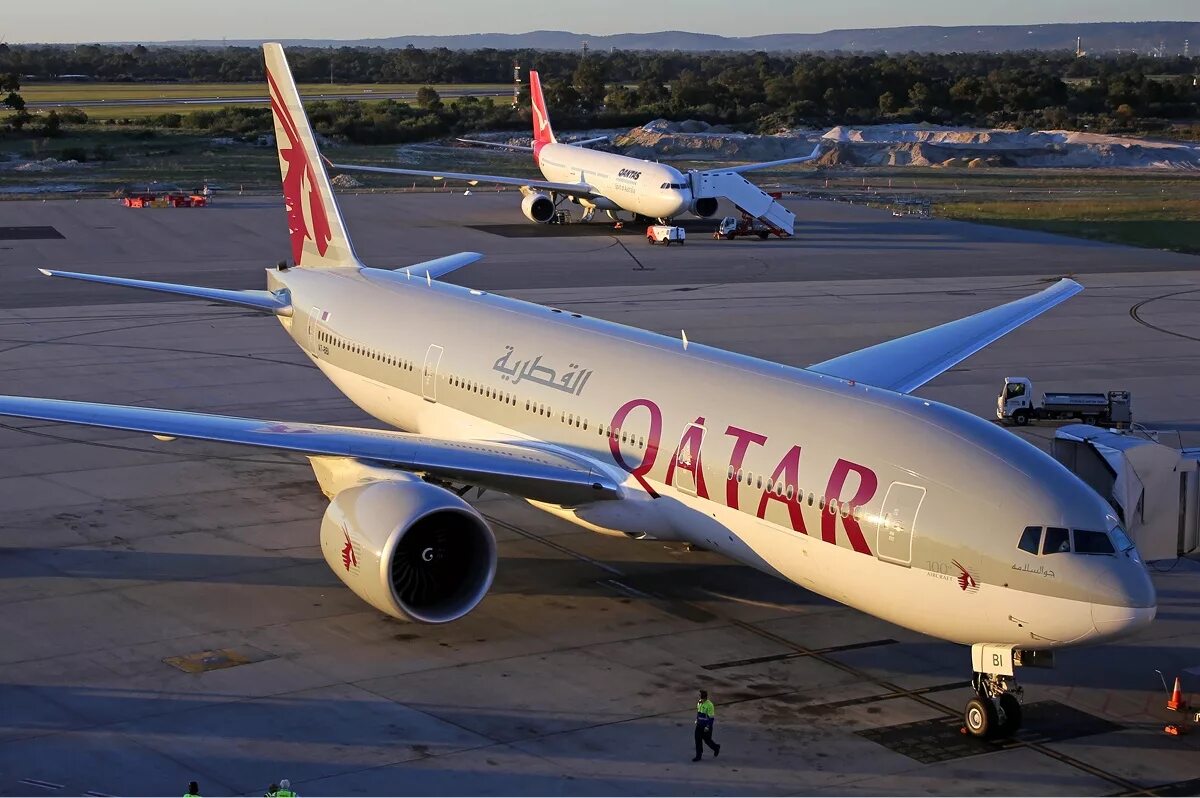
1098 37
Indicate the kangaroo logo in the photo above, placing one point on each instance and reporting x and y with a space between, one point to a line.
301 195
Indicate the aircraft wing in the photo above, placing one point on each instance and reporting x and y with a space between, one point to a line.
500 145
504 145
750 167
905 364
534 473
576 189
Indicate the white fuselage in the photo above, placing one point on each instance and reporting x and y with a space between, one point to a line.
630 184
783 469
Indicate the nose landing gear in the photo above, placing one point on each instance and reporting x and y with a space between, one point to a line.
995 711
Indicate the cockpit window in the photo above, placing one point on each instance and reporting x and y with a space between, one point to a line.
1088 542
1057 540
1031 538
1122 541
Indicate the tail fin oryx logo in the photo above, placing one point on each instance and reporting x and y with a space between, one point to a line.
302 196
966 582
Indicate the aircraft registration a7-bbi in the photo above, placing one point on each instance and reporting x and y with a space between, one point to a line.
833 477
602 180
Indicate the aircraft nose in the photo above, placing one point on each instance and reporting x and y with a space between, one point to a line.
1111 621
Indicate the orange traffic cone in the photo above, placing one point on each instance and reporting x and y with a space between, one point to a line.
1176 703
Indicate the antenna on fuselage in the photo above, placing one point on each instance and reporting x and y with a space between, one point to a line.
683 334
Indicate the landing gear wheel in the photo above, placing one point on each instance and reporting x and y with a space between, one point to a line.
1010 714
979 717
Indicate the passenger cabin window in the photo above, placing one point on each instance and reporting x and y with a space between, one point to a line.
1088 542
1031 539
1057 540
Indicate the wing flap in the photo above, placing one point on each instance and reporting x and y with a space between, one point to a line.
578 189
905 364
278 303
534 473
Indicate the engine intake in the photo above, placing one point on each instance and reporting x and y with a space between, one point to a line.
538 207
410 549
704 207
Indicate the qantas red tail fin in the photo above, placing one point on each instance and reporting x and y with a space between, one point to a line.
542 132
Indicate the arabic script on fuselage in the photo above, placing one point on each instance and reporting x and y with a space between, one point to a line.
533 370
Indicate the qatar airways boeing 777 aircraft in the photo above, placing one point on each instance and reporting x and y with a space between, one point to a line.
833 477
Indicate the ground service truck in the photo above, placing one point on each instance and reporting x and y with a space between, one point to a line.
1015 404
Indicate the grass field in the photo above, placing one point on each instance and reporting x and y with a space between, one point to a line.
1172 224
1155 209
109 92
104 101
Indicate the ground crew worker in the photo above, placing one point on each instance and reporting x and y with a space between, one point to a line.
193 790
273 790
285 790
706 716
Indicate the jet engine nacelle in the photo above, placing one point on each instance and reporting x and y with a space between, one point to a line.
409 549
704 207
538 207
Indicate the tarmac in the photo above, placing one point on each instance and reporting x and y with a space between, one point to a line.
166 616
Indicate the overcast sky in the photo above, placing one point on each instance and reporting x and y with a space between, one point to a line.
156 20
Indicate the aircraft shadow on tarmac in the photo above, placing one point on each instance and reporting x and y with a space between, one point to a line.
680 589
662 582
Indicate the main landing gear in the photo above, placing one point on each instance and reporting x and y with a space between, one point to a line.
995 711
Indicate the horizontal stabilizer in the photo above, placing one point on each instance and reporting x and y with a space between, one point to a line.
277 303
534 473
438 266
905 364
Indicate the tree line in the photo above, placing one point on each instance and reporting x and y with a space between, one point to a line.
753 91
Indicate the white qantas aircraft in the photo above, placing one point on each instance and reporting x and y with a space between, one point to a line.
833 477
596 180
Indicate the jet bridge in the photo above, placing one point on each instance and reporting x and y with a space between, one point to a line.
749 198
1150 479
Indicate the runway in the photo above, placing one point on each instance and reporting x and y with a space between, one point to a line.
127 563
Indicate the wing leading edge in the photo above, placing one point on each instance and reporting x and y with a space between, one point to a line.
576 189
905 364
750 167
534 473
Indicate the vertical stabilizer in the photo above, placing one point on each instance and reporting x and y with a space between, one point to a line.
542 132
319 238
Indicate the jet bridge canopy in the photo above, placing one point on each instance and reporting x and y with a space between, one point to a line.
1151 481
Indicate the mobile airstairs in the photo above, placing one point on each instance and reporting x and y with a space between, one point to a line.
749 198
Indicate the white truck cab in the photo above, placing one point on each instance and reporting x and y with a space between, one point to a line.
1017 395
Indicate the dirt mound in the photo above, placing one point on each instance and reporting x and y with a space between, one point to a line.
911 145
345 181
698 141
